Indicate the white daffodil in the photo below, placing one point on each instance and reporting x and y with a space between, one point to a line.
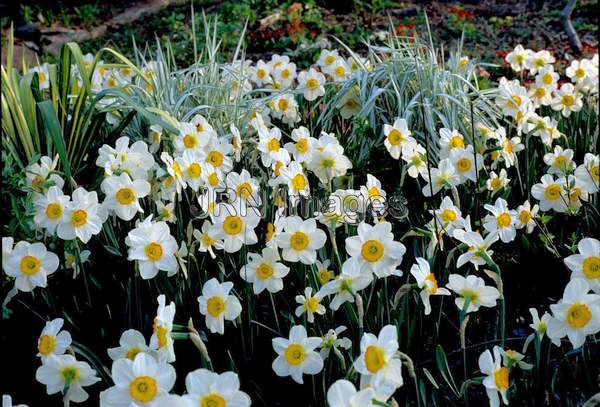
297 182
135 160
586 263
209 389
52 340
175 179
539 60
512 358
518 58
442 177
427 282
261 74
472 290
449 216
567 100
218 154
342 393
161 339
497 376
166 212
378 363
588 173
82 217
309 304
269 144
246 189
310 83
122 195
141 382
303 145
560 161
49 208
206 239
43 175
264 271
346 284
234 228
155 136
65 372
466 162
296 356
526 216
153 247
193 168
576 315
539 325
416 158
217 305
300 240
375 249
551 194
43 75
450 140
501 220
329 161
324 274
189 138
497 182
398 138
30 264
332 341
131 343
476 245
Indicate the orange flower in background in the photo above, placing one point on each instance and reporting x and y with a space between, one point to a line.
461 13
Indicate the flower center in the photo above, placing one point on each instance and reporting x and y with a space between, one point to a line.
46 344
261 73
299 241
295 354
283 104
232 225
395 137
153 251
143 388
302 145
547 79
503 220
125 196
244 190
448 215
312 304
190 141
456 142
299 182
591 267
501 378
463 165
580 73
552 192
54 211
273 145
161 335
525 216
213 400
328 163
540 92
433 284
194 170
264 271
312 84
374 358
568 100
340 71
578 315
372 250
78 218
215 158
330 59
324 276
69 374
213 179
215 306
471 295
132 352
30 265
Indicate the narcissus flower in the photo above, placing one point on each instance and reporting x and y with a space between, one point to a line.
296 356
209 389
310 83
131 343
378 363
49 208
52 340
65 372
398 138
217 305
122 195
161 340
264 271
518 58
476 247
472 290
497 182
207 241
540 325
567 100
375 250
235 228
497 377
551 194
588 173
342 393
82 217
309 304
138 383
442 177
526 216
153 247
501 220
30 264
300 240
586 263
427 282
345 286
576 315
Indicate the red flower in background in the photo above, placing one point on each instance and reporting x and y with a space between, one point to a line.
461 13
